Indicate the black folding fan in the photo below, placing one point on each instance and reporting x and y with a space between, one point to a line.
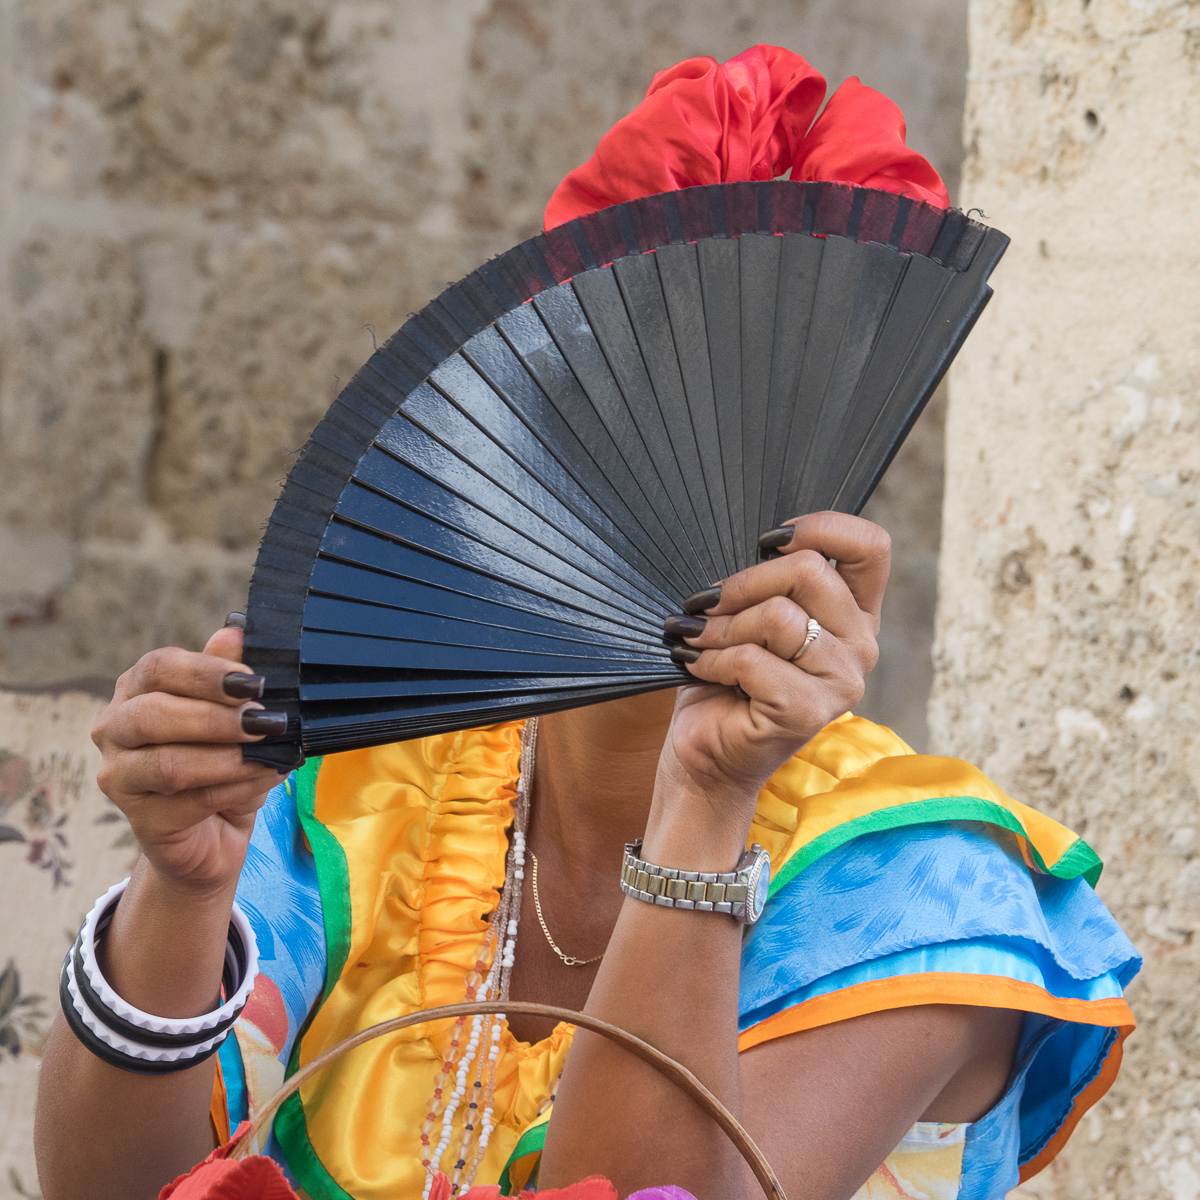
497 513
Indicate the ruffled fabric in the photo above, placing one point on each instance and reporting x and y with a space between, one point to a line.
406 844
410 842
951 913
860 138
704 122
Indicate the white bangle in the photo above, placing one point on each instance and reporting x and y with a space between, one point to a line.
125 1036
147 1021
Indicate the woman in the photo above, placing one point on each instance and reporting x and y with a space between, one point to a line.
914 1009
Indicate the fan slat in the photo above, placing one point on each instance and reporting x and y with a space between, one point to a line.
568 325
758 263
931 350
374 726
477 540
341 614
364 650
799 270
720 289
472 497
351 696
600 511
820 474
407 565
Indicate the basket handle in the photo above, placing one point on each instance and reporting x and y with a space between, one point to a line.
662 1063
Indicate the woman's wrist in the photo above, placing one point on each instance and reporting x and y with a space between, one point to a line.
165 949
695 829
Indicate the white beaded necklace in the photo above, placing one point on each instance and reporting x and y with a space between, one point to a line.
500 946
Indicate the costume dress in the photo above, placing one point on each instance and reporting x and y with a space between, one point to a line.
899 879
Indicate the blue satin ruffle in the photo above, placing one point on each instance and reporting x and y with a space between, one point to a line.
952 897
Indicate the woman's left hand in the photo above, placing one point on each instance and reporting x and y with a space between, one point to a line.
763 693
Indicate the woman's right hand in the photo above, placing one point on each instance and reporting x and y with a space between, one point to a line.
172 745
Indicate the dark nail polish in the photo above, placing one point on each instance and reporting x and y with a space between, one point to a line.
773 539
235 620
699 602
684 627
263 724
240 686
685 654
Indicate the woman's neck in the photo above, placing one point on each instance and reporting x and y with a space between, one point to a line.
594 777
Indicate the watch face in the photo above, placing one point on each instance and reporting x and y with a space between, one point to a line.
760 881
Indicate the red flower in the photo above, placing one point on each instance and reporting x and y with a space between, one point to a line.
706 122
222 1178
219 1177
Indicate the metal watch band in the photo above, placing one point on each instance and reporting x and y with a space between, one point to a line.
703 891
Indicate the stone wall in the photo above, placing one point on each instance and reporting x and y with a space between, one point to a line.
209 208
1069 621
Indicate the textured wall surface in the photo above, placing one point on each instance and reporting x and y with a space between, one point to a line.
208 208
1069 624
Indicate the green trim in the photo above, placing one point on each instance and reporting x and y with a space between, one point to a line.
530 1142
333 876
1080 858
292 1134
333 883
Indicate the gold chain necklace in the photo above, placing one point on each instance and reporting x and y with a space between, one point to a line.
569 959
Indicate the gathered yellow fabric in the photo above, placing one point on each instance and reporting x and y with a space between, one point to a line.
422 829
410 842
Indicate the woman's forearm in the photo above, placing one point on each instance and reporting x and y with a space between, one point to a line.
103 1132
671 977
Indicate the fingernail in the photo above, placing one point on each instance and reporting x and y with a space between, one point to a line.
699 602
685 654
238 685
773 539
235 620
263 724
686 627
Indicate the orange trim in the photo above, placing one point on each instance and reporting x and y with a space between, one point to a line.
1084 1101
935 987
218 1109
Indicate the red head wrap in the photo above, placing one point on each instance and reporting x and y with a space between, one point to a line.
748 118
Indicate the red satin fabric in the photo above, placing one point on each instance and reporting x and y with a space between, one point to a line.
859 139
257 1177
221 1178
749 118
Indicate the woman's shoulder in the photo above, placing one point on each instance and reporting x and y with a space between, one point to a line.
856 778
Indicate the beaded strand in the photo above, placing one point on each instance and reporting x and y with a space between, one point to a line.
501 941
508 921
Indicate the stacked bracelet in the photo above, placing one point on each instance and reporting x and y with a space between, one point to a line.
126 1037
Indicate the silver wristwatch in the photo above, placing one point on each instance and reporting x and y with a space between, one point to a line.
742 892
